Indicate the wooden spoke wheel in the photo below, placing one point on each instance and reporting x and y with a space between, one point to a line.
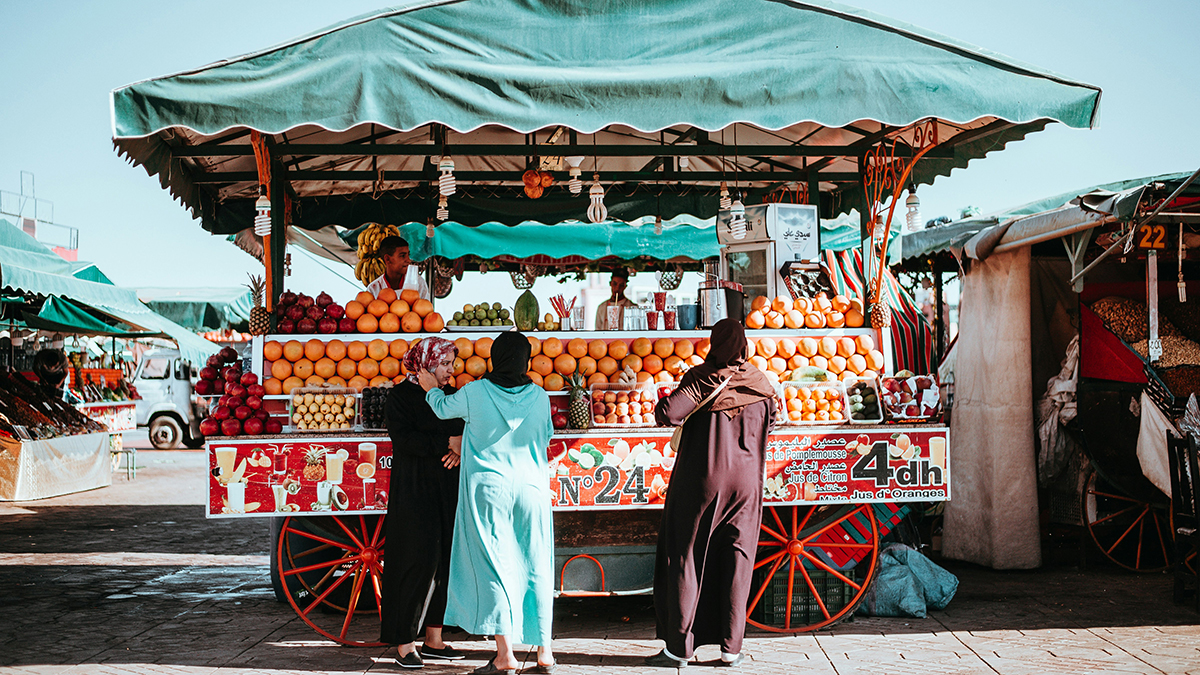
814 565
1134 534
332 570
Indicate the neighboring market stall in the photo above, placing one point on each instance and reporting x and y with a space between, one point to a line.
202 308
52 447
454 120
1025 280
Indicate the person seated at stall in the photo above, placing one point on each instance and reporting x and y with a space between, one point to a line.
50 366
617 283
396 264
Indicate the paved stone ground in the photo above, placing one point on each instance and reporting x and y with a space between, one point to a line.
133 579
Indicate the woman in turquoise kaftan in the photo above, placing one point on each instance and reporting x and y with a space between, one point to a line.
502 559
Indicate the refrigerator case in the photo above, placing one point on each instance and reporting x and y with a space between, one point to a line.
775 235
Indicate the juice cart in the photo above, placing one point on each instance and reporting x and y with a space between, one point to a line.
456 121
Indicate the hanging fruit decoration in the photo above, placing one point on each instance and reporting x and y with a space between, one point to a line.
536 182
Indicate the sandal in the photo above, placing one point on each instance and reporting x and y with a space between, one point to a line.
490 669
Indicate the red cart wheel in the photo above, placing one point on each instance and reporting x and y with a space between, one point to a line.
332 569
1134 534
820 561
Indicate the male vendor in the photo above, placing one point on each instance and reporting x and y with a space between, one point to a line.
396 263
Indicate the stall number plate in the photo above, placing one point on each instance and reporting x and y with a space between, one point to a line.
1155 349
1152 237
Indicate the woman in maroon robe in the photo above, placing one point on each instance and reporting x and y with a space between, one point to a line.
709 532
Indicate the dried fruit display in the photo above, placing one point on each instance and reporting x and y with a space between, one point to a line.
23 403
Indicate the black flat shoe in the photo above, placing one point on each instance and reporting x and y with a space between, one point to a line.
737 661
410 660
446 653
661 660
491 669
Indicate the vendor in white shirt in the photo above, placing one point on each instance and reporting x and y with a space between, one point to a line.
617 283
397 265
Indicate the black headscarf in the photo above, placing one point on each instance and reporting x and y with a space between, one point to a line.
510 361
728 349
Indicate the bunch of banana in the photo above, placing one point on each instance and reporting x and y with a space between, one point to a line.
370 264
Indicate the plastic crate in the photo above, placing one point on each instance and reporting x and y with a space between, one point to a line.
772 606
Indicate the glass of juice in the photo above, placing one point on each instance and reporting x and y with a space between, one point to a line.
333 467
366 453
225 458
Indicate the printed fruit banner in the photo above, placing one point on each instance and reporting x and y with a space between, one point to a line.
883 464
280 477
879 464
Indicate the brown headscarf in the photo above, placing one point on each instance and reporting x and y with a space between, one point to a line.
427 354
727 359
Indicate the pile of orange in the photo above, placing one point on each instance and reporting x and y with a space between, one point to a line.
603 361
816 313
292 364
843 356
389 313
813 403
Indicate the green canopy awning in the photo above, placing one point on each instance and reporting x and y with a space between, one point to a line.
64 316
29 268
200 309
753 87
564 240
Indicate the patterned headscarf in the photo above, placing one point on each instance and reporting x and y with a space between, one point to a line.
427 354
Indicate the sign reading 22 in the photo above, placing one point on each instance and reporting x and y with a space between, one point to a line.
1152 236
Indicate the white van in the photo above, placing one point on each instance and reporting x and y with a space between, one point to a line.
168 405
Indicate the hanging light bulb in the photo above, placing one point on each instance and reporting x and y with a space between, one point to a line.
262 213
597 212
446 186
443 213
737 219
574 184
912 218
657 224
725 202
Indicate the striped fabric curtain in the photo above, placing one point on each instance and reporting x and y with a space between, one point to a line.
912 336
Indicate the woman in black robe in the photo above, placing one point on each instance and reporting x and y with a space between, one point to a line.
423 496
709 533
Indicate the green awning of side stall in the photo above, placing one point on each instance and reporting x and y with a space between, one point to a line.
62 315
31 271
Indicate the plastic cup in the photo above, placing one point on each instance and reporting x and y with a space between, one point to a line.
669 319
651 319
324 493
279 461
369 493
280 493
236 496
660 300
614 317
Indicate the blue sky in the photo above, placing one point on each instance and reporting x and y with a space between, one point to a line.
60 59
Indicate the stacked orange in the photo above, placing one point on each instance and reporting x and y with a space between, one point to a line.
390 313
819 312
845 357
292 364
813 403
600 361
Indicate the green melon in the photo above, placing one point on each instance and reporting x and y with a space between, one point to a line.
525 312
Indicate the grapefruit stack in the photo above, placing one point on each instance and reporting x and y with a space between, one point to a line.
389 313
816 313
845 357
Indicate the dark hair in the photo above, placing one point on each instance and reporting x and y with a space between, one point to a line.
621 273
50 366
389 245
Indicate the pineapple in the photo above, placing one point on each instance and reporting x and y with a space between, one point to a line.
881 315
314 463
579 414
260 318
